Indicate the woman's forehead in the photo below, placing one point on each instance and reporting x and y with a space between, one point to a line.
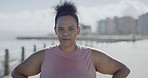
66 21
66 26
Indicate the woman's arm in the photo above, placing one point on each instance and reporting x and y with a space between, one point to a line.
31 66
107 65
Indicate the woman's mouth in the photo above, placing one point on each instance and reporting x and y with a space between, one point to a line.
65 39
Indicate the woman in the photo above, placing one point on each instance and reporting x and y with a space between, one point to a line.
69 60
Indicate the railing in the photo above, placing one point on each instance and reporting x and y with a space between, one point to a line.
6 61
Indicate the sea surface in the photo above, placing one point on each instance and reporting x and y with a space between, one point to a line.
132 54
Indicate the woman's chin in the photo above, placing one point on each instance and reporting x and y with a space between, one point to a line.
66 45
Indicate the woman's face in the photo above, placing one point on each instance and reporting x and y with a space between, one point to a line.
67 30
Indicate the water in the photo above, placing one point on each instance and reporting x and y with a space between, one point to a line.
132 54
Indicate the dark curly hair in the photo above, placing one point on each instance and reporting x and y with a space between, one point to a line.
64 9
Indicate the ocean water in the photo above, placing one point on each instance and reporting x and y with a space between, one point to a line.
132 54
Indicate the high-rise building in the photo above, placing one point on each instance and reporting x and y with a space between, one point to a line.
143 24
117 26
106 27
127 25
110 26
102 28
116 21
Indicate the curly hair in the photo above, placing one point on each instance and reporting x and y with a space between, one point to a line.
64 9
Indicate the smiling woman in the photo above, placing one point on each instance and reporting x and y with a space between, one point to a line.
68 59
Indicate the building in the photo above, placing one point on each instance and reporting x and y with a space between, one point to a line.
126 25
110 26
102 28
143 24
85 29
106 27
117 26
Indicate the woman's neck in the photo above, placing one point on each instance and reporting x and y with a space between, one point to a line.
69 48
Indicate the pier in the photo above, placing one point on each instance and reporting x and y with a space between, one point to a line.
98 38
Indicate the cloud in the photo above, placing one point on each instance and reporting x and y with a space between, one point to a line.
133 8
43 20
27 21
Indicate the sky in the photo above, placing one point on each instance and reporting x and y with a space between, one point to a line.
36 17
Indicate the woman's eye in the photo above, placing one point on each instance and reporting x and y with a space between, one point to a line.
71 29
60 29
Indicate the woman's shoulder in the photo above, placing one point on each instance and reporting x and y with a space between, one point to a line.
40 54
94 51
42 51
87 48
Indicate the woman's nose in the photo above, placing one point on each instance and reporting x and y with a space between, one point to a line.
65 33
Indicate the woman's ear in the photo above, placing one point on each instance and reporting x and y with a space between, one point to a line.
55 30
78 32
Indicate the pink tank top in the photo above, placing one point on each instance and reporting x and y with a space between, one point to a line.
76 64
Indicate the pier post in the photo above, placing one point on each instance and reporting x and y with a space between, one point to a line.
34 48
44 45
23 54
6 63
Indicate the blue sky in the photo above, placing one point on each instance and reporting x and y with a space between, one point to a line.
37 17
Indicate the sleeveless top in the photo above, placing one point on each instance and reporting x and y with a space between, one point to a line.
59 64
